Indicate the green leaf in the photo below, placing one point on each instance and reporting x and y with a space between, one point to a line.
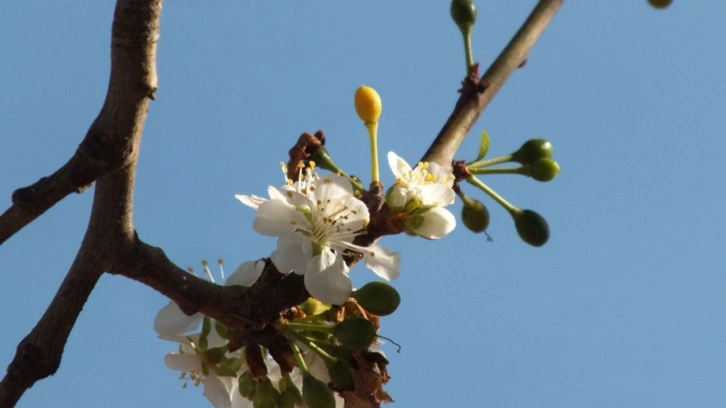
221 330
230 367
206 326
216 354
483 145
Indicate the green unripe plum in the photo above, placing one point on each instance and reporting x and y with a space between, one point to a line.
544 169
247 385
660 4
341 376
464 13
378 298
356 333
475 216
532 228
533 150
316 394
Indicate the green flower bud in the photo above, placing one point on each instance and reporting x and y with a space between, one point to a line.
475 215
313 306
289 391
356 333
544 169
532 150
266 396
316 394
341 376
378 298
532 228
464 13
286 400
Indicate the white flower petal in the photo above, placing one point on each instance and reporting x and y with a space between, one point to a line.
250 200
399 167
275 217
333 185
397 197
182 361
219 391
246 274
331 285
436 194
382 261
442 175
437 223
290 254
171 321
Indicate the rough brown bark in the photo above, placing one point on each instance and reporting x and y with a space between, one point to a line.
108 156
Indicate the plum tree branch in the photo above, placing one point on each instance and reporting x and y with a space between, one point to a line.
477 93
108 156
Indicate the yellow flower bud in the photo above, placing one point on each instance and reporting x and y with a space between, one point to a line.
368 104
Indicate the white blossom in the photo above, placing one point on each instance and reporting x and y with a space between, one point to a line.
422 193
316 220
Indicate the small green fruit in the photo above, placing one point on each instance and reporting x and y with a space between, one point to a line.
475 216
532 150
378 298
316 394
544 169
660 4
356 333
464 13
532 228
341 376
247 385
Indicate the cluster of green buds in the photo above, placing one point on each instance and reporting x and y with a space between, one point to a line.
264 394
334 334
535 160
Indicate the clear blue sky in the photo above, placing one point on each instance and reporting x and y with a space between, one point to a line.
623 307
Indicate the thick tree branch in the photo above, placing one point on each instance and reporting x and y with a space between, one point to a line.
111 148
476 94
105 146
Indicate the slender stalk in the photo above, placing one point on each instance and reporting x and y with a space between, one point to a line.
513 210
373 134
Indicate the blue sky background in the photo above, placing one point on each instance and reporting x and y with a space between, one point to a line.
623 307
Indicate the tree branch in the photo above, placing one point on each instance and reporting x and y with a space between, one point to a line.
476 94
108 155
110 148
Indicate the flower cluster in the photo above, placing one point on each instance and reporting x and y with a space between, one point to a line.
204 359
316 219
322 229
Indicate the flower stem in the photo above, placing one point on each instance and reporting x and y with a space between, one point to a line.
373 134
489 162
467 49
311 345
324 161
508 170
513 210
299 358
310 327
